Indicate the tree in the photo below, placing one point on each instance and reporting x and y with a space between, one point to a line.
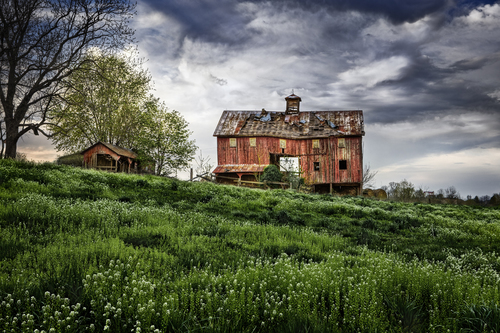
108 100
368 177
165 138
452 193
203 165
404 190
42 42
103 101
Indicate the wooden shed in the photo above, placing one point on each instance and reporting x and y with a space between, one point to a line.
325 147
108 157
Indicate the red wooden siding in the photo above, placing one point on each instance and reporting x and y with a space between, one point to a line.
328 156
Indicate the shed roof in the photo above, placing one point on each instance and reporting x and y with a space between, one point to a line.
306 124
118 150
236 168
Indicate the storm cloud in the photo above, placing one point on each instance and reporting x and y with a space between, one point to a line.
425 72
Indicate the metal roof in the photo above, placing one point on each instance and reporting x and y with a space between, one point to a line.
306 124
118 150
235 168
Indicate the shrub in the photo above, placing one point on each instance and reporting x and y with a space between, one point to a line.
271 174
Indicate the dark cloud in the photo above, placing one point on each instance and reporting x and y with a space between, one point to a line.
475 63
224 21
213 21
219 81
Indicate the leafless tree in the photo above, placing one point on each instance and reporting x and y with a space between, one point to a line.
41 43
203 165
368 177
452 193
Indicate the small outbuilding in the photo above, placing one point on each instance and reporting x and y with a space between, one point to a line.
108 157
325 147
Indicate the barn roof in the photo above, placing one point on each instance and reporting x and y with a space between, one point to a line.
118 150
306 124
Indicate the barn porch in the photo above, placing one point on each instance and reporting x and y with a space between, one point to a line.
228 173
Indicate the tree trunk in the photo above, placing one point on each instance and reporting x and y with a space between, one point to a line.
11 138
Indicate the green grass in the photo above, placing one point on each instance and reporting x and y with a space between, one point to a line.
83 251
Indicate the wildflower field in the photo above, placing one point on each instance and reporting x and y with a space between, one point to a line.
87 251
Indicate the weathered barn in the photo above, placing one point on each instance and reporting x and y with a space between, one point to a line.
108 157
326 146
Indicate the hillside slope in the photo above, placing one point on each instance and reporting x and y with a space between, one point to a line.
82 249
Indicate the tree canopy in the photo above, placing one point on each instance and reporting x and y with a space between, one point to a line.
165 138
103 102
108 100
41 43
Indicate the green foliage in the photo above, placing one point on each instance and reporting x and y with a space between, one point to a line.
271 174
108 100
82 250
104 102
402 191
479 318
165 138
75 160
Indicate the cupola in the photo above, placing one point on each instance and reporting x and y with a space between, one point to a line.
292 104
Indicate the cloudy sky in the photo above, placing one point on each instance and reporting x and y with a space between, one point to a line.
426 73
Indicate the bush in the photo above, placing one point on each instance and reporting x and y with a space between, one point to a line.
75 160
271 174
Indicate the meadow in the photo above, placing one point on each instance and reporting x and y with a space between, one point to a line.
87 251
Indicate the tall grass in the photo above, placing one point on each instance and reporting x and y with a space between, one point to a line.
82 250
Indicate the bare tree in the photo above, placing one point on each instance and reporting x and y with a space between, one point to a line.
452 193
203 165
368 177
41 43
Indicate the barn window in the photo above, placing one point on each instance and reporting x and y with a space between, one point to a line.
232 142
282 143
343 165
315 143
253 142
316 166
341 143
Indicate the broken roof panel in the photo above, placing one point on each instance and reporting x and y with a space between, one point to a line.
307 124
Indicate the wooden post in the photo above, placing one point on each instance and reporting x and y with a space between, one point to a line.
191 176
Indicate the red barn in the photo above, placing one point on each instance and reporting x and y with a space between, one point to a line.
326 146
108 157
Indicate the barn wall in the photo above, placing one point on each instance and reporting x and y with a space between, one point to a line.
328 155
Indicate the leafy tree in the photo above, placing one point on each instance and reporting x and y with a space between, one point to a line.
108 100
41 43
165 138
404 190
103 102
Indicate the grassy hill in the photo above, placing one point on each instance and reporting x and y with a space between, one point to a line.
84 251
